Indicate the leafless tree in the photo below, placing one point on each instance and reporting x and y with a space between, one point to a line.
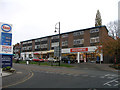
113 29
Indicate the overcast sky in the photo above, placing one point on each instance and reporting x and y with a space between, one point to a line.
37 18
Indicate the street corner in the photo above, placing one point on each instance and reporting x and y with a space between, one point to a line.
8 72
5 73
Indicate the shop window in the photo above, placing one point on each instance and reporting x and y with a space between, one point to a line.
94 40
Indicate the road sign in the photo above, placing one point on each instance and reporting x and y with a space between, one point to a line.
57 51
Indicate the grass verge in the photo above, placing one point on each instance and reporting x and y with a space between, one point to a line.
45 63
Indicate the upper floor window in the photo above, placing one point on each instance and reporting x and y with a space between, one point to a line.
37 40
78 41
94 40
24 48
78 33
43 45
55 37
64 35
24 42
29 48
94 30
37 46
64 43
44 39
55 44
29 41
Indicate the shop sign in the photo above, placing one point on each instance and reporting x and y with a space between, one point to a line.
78 49
6 49
36 53
6 27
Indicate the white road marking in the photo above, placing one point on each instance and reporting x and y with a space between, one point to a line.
110 77
107 74
108 83
19 72
116 84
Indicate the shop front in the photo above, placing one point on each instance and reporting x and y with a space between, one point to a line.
83 54
50 53
25 55
40 54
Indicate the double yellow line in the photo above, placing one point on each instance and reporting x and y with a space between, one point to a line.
30 75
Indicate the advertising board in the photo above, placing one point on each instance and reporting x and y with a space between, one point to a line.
6 50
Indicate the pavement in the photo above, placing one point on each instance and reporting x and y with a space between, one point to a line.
4 73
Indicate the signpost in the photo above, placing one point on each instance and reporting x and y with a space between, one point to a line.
6 50
56 51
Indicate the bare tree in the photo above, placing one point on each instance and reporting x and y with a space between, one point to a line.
113 29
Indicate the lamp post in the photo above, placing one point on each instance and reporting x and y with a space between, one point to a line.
59 39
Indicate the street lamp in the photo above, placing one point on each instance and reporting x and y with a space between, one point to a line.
59 39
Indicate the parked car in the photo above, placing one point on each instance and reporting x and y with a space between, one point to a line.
45 60
16 58
29 59
66 59
38 59
52 59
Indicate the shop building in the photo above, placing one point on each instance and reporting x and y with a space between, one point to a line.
78 44
16 50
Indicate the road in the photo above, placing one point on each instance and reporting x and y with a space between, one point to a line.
81 76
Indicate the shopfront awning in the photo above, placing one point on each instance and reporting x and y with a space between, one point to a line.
50 51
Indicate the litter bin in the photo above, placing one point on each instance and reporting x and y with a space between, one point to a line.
69 62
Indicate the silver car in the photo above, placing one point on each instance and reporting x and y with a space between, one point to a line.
52 59
28 59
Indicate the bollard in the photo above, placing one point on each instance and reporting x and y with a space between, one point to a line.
51 63
39 62
27 62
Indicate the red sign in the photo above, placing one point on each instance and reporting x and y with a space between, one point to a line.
36 53
78 49
6 27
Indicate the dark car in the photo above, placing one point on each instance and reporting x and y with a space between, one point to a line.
66 59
